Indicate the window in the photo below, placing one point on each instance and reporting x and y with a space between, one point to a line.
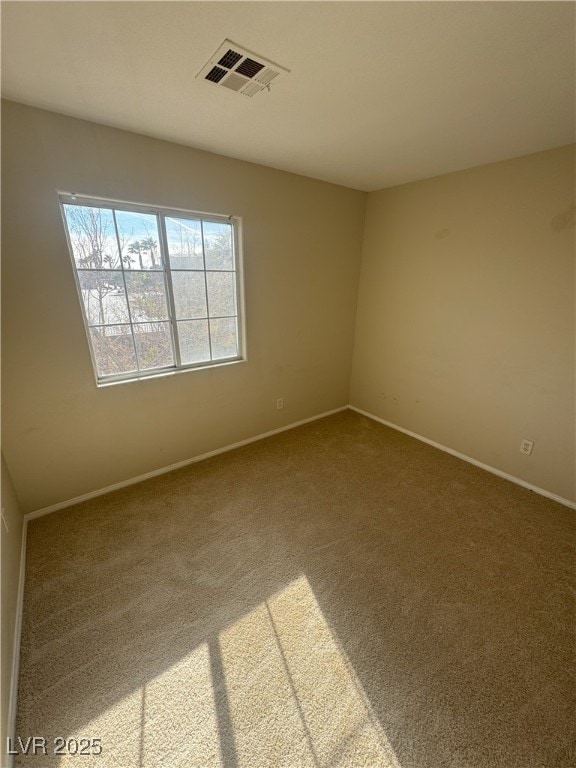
159 289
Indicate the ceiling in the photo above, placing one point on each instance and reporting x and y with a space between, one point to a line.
379 93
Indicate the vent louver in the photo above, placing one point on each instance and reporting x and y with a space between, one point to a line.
249 67
230 58
216 74
239 70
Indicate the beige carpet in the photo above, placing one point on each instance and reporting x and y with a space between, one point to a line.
337 595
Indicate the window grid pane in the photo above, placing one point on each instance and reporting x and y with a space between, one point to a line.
92 236
148 293
113 349
146 296
138 240
163 298
153 345
223 332
189 295
194 341
125 289
206 286
221 294
205 317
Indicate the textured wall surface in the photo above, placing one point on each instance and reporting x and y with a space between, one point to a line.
339 595
465 329
63 436
11 539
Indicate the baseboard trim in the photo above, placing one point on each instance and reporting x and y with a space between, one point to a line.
13 695
140 478
470 460
177 465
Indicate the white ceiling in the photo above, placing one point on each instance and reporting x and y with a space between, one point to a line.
380 93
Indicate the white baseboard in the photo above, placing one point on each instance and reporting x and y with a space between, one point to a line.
178 465
470 460
247 441
13 697
93 494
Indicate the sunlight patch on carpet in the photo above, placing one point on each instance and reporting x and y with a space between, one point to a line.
169 721
293 695
272 689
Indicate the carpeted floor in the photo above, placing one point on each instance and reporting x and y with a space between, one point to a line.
336 595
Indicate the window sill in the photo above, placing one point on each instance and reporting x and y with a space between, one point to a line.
167 372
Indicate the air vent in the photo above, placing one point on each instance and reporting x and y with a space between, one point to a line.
234 82
230 58
240 70
216 74
249 67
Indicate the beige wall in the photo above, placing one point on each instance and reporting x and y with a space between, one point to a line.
465 326
63 436
11 544
464 330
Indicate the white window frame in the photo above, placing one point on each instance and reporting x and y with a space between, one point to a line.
68 198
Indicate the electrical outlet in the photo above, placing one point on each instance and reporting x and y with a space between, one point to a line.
526 447
280 403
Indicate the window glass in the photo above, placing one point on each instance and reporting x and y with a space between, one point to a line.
158 290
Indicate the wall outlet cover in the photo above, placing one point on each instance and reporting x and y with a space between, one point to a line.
526 447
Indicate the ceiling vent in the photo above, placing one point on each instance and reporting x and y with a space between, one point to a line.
240 70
